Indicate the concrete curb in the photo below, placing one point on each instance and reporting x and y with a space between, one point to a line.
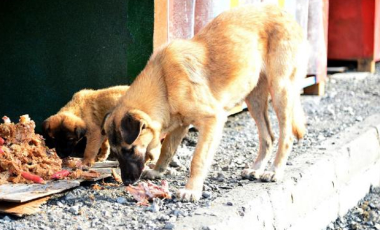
318 187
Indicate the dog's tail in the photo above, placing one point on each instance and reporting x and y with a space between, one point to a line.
299 119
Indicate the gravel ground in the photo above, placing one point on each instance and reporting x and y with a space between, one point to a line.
347 101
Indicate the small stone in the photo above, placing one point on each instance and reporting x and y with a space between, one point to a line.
229 203
208 228
74 210
175 162
163 217
359 118
372 206
206 194
354 226
153 208
121 200
169 225
377 226
69 196
220 177
358 211
7 219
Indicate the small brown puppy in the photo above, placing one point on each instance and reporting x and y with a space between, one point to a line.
82 117
244 54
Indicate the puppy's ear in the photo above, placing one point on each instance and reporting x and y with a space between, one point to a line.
46 127
130 128
80 132
103 122
80 129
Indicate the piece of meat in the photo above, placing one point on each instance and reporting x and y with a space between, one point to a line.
90 174
32 177
144 192
139 194
60 175
80 174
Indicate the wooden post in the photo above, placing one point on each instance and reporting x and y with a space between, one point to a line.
161 15
366 65
316 89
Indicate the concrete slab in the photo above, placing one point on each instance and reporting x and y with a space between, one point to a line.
318 187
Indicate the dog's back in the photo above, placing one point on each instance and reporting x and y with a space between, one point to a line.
228 55
95 103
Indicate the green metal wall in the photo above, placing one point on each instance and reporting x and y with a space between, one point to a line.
51 49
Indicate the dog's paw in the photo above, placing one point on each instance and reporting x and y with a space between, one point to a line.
189 195
84 164
151 174
101 158
251 174
271 176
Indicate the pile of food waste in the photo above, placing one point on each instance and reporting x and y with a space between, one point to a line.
25 158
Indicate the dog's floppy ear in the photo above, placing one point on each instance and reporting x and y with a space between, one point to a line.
103 122
46 127
80 128
130 128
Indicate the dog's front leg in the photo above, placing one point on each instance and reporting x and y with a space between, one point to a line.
210 133
94 142
169 147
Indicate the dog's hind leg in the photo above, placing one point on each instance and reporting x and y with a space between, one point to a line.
285 96
257 102
169 147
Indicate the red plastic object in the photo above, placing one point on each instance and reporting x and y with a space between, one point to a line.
354 30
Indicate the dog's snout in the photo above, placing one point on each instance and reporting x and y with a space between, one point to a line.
127 182
131 167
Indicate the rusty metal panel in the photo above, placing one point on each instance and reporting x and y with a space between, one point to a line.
317 36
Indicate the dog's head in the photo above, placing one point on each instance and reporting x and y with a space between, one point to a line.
131 135
64 130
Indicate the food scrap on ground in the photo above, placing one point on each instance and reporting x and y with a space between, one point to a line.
116 176
60 175
97 187
24 157
79 173
71 162
146 191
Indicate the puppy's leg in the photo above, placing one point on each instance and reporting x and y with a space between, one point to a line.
94 142
282 92
168 150
257 102
104 151
210 133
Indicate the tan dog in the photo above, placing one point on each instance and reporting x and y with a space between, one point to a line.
82 117
243 54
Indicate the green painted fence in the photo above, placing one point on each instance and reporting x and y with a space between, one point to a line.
51 49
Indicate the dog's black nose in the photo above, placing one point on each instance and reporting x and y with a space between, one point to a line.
128 182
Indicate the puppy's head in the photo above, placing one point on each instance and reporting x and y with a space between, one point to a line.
64 130
131 135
